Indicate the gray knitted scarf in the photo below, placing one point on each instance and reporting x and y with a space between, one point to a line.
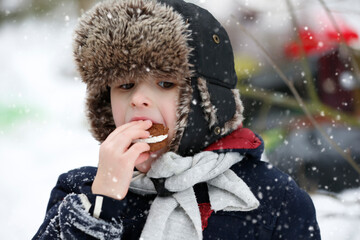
177 216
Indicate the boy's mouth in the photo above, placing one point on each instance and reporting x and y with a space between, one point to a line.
142 119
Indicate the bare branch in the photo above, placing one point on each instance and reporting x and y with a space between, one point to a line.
290 102
310 86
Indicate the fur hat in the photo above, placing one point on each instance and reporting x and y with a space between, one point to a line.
167 38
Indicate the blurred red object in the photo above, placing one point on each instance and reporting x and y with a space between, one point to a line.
315 43
310 42
348 34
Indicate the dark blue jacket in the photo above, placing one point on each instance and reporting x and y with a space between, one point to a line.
285 211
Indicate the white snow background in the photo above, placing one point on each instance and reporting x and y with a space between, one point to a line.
38 81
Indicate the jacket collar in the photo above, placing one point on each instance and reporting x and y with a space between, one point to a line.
243 141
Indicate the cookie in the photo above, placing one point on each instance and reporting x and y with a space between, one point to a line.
158 137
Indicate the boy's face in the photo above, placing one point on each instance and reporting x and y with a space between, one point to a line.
147 99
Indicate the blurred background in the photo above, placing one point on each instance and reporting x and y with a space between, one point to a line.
281 46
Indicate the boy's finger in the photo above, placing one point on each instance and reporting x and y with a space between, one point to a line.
136 150
143 125
125 139
130 125
133 132
119 129
135 124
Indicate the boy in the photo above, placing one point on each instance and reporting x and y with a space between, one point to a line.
169 62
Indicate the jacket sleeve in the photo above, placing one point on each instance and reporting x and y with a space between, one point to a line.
297 217
75 215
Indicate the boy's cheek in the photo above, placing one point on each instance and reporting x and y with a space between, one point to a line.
117 119
118 112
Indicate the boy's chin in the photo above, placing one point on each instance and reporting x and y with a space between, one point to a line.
145 166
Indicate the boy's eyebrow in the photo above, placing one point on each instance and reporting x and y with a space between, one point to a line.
170 79
120 81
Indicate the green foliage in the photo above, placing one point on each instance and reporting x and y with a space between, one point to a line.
11 115
273 138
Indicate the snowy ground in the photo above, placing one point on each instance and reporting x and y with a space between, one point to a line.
43 131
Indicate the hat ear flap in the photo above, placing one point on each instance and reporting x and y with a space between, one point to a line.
238 117
213 112
99 112
218 104
209 109
221 107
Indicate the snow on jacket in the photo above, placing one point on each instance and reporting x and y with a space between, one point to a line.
285 211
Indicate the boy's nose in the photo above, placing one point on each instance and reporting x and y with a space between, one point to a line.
140 100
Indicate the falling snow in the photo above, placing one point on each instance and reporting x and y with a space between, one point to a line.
50 135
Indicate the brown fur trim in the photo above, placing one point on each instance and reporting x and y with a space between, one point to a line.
238 118
209 109
183 109
99 113
118 40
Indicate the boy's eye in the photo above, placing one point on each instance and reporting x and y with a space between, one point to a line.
166 84
126 86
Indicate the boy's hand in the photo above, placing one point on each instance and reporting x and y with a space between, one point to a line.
117 159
